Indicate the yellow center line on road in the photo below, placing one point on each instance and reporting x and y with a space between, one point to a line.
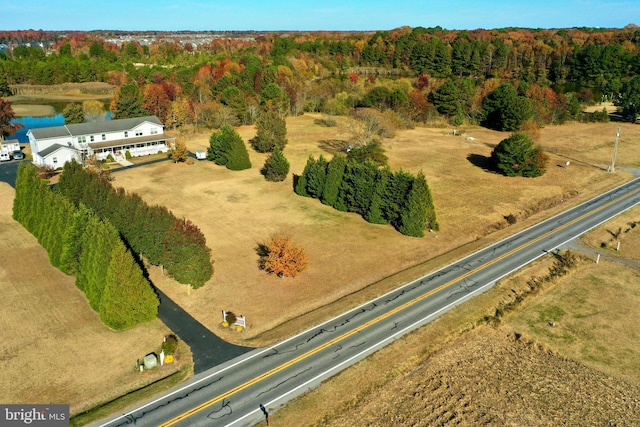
382 316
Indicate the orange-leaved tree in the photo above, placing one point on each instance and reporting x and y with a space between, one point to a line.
281 257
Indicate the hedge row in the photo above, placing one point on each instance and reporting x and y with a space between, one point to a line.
150 231
79 243
378 194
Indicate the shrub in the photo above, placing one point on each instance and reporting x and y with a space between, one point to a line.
127 155
110 158
170 344
230 318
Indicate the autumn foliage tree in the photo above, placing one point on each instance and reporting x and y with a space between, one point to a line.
6 115
280 256
179 151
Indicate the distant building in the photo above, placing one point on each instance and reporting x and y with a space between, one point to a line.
140 136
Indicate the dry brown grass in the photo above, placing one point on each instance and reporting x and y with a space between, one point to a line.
487 378
237 210
54 347
625 228
575 361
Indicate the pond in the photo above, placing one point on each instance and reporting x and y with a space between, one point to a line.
31 122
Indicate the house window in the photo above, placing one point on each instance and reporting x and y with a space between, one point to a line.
104 137
82 139
91 138
55 161
138 133
126 134
154 131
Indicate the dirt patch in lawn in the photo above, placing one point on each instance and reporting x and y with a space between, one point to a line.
238 210
54 347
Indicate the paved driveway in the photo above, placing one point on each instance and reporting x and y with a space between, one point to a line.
208 349
9 171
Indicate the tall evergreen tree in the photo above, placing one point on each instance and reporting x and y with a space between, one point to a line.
396 195
186 255
519 156
226 148
335 172
276 166
413 219
505 110
316 177
127 298
72 241
375 212
97 243
301 183
128 102
271 130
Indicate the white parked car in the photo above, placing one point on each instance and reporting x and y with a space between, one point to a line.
4 157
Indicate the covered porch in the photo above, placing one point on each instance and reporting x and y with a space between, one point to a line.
136 146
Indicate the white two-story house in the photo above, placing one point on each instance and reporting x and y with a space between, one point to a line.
140 136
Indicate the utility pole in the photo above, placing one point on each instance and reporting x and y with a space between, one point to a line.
615 151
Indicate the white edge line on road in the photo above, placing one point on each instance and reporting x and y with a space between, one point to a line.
251 356
418 323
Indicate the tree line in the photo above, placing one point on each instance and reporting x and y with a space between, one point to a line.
228 81
81 244
150 231
379 195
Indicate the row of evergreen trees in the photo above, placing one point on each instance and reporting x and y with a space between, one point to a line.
79 243
152 231
380 195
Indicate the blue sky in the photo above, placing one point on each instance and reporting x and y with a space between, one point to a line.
314 15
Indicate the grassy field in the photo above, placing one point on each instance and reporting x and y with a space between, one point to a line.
238 210
568 355
350 260
54 348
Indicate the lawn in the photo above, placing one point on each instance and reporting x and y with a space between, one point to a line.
54 348
60 352
237 210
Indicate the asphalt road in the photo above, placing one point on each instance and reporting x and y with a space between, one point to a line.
9 171
234 393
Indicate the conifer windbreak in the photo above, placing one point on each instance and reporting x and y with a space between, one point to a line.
379 195
80 243
150 231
